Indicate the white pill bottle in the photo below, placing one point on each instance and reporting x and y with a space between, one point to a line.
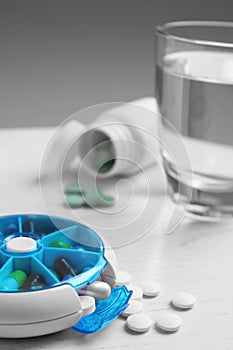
122 140
127 133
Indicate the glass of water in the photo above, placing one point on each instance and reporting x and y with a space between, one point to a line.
194 91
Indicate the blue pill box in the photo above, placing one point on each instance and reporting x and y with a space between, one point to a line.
27 247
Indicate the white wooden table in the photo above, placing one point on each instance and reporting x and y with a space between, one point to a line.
197 258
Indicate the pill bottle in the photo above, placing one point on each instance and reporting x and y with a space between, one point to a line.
124 138
57 150
121 140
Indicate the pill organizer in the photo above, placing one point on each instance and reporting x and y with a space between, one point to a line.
35 299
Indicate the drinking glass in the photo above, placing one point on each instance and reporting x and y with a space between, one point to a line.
194 91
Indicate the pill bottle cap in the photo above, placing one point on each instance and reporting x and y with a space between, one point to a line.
19 276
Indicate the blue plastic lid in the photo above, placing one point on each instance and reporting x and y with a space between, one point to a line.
106 311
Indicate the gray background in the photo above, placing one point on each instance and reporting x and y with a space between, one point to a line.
57 57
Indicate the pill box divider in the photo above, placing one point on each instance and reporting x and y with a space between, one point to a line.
6 269
20 224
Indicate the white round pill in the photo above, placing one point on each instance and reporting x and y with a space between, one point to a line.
122 277
134 307
183 300
137 292
150 288
168 322
21 245
87 304
139 323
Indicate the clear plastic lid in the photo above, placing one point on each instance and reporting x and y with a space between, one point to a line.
106 311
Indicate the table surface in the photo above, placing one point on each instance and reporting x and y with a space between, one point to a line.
197 257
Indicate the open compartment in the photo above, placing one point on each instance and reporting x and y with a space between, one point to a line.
87 265
80 261
59 236
27 267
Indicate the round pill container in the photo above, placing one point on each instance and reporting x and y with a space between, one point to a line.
55 273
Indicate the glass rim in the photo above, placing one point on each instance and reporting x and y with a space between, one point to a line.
163 30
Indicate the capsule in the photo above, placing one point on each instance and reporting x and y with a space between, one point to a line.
64 269
34 281
57 243
28 226
14 281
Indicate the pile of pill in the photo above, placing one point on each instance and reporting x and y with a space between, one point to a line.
137 320
103 157
77 197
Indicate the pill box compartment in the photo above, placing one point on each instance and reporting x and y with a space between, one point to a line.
29 265
80 260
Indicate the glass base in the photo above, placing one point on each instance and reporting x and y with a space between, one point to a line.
198 202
